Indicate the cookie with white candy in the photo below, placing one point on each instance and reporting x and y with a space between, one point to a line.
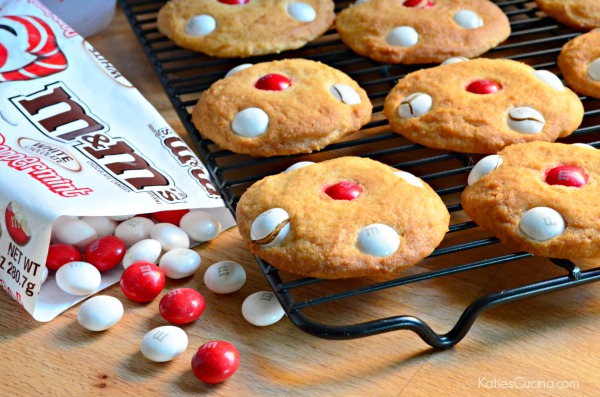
340 218
578 14
539 197
243 28
422 31
281 108
579 62
481 106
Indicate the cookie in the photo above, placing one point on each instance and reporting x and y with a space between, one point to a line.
281 108
481 106
579 62
346 217
539 197
578 14
422 31
243 28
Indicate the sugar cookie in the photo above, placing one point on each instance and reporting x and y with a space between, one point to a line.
579 62
578 14
281 108
346 217
539 197
481 106
243 28
422 31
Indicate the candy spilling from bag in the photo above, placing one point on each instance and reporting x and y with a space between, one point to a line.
77 140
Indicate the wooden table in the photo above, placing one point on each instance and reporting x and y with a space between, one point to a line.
541 346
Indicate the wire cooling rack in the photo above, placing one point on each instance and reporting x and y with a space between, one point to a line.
535 40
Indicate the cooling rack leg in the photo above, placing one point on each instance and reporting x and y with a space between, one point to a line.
574 271
575 278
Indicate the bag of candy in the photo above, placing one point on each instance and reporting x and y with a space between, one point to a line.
79 143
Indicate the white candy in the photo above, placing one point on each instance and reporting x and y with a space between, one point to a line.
103 225
583 145
345 94
483 167
299 164
164 343
452 60
238 68
550 78
78 278
525 120
270 228
200 225
57 222
542 223
357 2
100 312
179 263
145 250
468 19
200 25
134 229
410 178
75 232
403 36
63 218
120 218
302 12
250 122
378 240
262 309
224 277
415 105
593 70
169 236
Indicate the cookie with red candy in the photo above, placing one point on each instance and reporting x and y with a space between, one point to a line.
539 197
243 28
422 31
481 106
281 108
340 218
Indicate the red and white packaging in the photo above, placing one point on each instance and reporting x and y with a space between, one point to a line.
76 138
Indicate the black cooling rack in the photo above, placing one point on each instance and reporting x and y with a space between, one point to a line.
535 40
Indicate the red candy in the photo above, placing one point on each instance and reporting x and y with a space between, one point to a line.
60 254
484 87
172 216
273 82
234 2
182 305
566 175
343 191
419 3
142 281
105 253
215 361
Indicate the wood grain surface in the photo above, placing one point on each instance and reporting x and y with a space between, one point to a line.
541 346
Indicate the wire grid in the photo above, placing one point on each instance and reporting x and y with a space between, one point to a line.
535 40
